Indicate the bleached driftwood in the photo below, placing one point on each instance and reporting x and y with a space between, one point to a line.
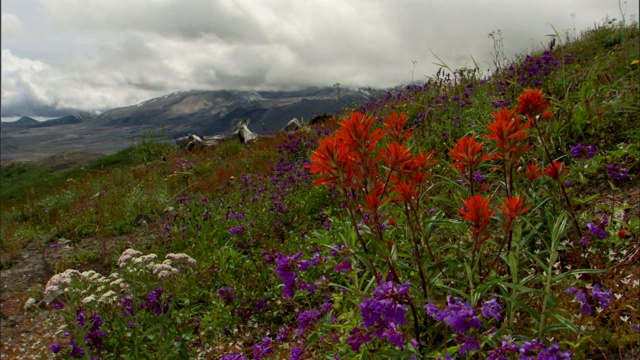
242 134
292 125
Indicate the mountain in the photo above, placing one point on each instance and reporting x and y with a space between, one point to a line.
67 120
198 112
217 112
24 122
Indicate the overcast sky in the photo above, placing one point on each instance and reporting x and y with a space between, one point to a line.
101 54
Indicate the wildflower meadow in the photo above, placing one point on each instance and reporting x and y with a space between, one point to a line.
472 216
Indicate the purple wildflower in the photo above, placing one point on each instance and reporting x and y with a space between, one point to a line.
336 249
304 265
236 230
385 311
358 337
393 335
282 334
478 177
597 297
596 230
154 303
306 319
80 317
262 304
500 353
326 307
602 298
491 309
284 269
262 349
345 266
584 241
308 287
58 305
580 151
296 353
467 343
617 173
227 294
459 315
55 348
76 351
535 349
233 356
126 303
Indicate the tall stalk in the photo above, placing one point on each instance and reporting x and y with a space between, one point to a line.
556 233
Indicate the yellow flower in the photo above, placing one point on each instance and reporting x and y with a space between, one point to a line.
635 62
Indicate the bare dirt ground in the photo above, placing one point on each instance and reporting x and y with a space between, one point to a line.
28 334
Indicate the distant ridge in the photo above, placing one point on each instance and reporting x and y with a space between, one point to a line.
199 112
217 112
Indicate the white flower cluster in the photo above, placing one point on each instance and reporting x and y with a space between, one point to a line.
91 286
173 263
29 304
57 283
182 259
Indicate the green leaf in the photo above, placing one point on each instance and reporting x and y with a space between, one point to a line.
453 290
588 199
520 305
523 289
576 343
566 324
575 272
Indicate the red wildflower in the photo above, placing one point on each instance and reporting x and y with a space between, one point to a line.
395 156
533 171
547 115
465 153
357 134
509 133
532 103
476 209
375 199
420 164
512 208
331 159
395 127
556 170
423 161
407 191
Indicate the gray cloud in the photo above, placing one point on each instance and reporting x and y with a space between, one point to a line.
108 53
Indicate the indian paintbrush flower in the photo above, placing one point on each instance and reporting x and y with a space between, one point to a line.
476 209
467 154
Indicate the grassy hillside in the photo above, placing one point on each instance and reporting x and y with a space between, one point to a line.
473 216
